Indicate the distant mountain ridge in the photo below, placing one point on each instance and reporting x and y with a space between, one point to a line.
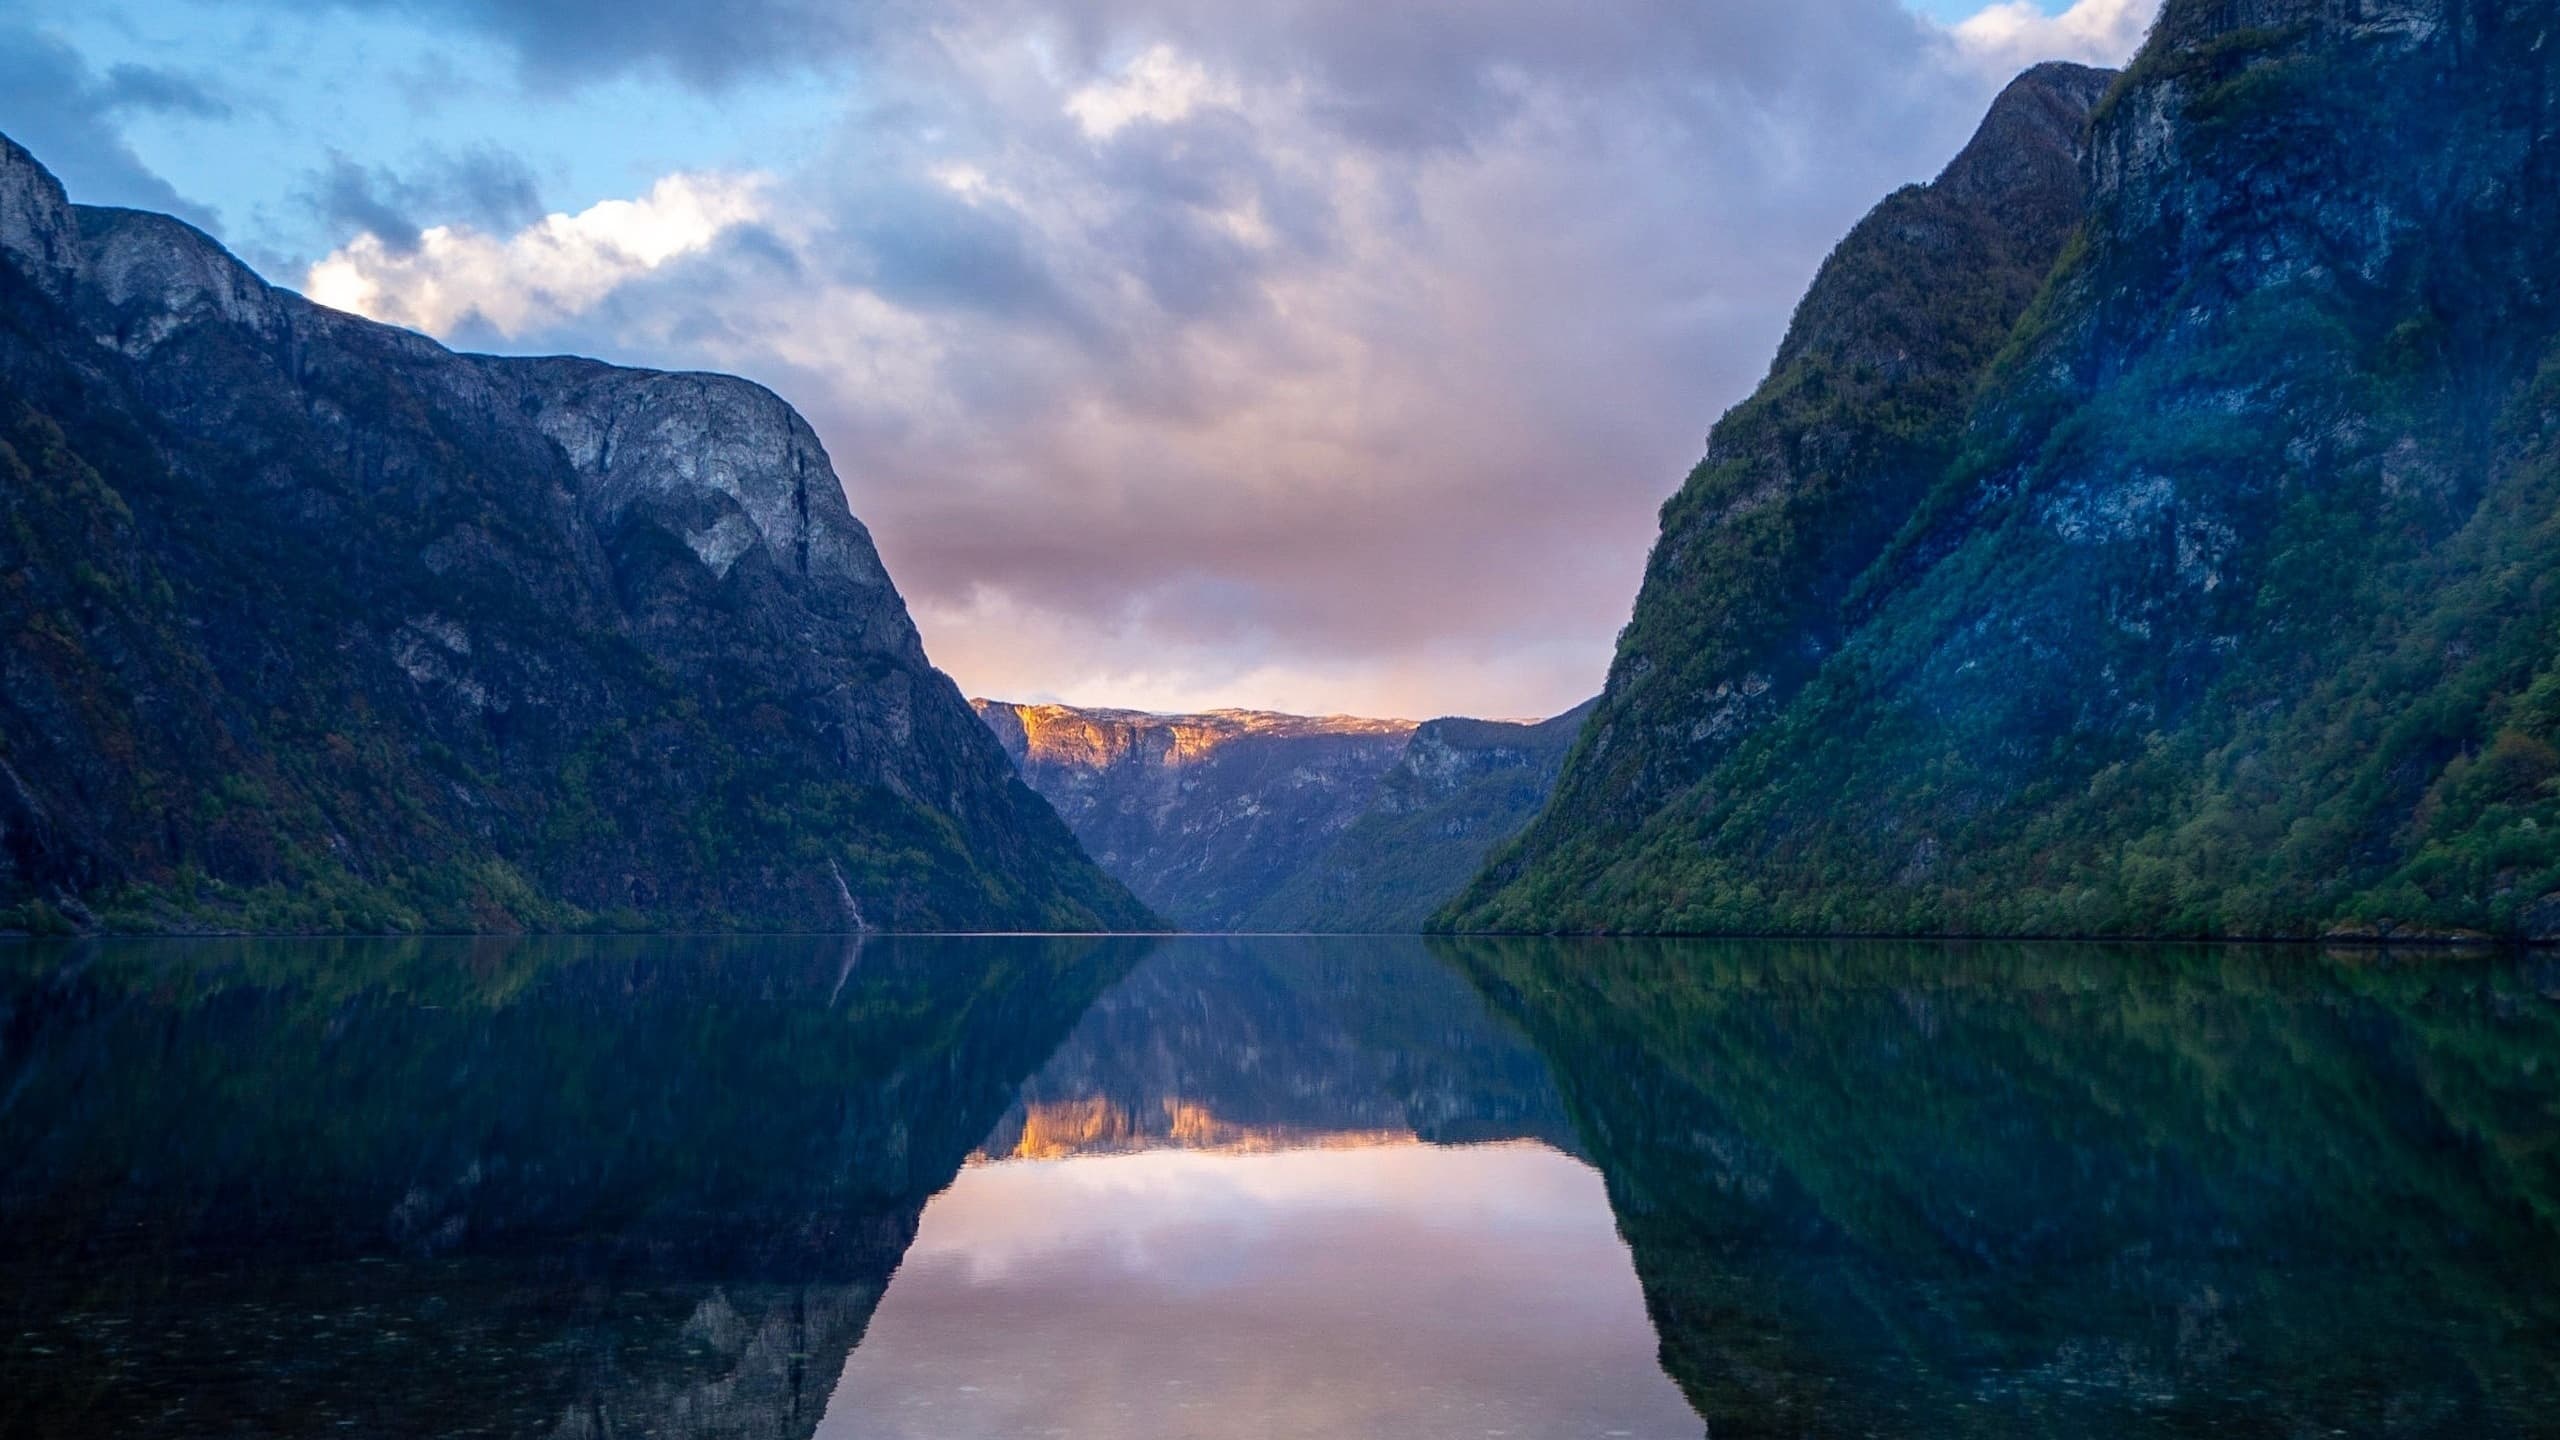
2146 529
308 622
1250 820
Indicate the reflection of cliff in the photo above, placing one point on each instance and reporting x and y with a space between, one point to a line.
1055 1129
1283 1043
2070 1188
624 1187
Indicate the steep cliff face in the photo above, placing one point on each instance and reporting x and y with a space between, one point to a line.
1200 815
1805 483
312 623
1242 820
1462 788
2230 612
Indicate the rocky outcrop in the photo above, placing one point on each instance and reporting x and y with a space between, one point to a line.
313 623
1246 820
2212 608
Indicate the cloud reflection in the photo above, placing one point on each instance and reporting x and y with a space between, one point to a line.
1404 1290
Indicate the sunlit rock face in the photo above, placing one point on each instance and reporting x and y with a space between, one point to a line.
1200 815
1247 820
323 625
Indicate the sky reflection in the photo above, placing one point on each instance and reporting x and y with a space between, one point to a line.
1402 1289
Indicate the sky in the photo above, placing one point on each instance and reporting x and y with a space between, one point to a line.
1330 356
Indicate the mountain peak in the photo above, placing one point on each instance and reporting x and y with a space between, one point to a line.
36 229
2037 127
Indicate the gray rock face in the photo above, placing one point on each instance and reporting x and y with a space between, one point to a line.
465 640
1200 815
1461 789
1241 820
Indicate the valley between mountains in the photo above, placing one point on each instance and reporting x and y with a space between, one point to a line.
2148 527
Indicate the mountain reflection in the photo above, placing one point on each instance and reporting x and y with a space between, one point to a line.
747 1188
1289 1186
510 1188
1284 1042
2072 1189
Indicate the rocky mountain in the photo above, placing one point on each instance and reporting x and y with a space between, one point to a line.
308 622
1460 789
1246 820
1200 815
2147 527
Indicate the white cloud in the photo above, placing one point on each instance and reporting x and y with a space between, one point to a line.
548 272
1159 86
2011 36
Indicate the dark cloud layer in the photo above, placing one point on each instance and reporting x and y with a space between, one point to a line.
704 44
486 188
54 103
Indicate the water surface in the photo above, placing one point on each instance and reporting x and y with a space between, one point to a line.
1217 1188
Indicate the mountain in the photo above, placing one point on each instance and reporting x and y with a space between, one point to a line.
2204 593
310 623
1247 820
1460 789
1199 815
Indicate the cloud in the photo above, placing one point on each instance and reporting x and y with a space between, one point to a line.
485 189
153 87
53 103
2008 37
710 47
1159 86
439 278
1323 355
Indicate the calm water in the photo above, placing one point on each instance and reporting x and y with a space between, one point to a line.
1231 1188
